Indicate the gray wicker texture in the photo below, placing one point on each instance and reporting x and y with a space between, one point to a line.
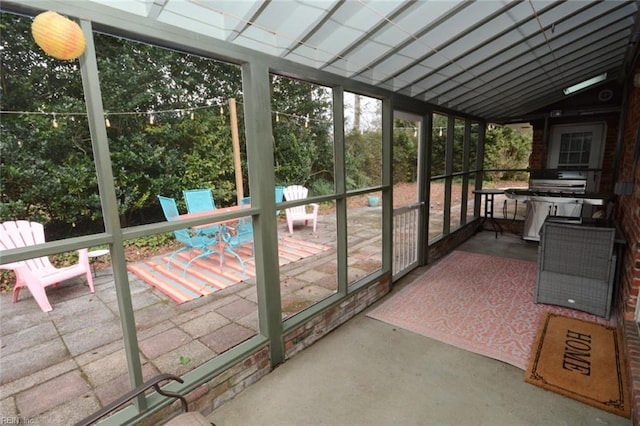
576 267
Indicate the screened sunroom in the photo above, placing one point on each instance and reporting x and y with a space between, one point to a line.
388 114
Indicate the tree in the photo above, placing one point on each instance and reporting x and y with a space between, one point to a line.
506 149
439 145
168 130
363 158
303 147
405 151
46 172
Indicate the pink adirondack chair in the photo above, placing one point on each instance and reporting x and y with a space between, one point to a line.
37 274
298 213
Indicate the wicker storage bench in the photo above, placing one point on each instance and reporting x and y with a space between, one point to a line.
576 266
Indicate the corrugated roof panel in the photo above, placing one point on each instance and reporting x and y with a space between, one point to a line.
389 66
386 7
506 83
414 73
361 56
391 85
368 76
481 57
206 27
221 16
333 37
465 42
416 50
259 40
512 43
560 16
551 15
538 94
569 57
576 28
137 7
492 69
520 13
611 45
242 10
337 69
319 56
353 15
487 40
586 36
289 20
304 60
443 91
485 72
550 83
391 36
459 23
423 14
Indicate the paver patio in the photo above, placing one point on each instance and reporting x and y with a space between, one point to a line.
61 366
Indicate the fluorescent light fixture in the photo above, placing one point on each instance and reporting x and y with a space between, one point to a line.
585 84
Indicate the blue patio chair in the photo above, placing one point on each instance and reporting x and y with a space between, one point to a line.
198 242
238 236
200 200
279 197
246 201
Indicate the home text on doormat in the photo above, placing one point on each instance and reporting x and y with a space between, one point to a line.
581 360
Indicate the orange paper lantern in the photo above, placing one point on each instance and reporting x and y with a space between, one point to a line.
58 36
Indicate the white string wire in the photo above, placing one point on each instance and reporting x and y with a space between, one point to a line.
304 119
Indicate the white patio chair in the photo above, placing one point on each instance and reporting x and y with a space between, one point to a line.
37 274
300 213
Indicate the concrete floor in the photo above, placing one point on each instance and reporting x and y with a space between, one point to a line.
370 373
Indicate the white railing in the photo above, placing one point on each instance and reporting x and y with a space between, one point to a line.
405 238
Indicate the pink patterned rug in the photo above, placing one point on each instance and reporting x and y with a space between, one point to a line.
480 303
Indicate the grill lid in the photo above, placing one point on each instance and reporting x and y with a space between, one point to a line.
553 180
553 174
558 185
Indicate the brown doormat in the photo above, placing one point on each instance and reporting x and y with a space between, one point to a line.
581 360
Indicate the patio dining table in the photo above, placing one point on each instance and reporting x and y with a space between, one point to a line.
222 223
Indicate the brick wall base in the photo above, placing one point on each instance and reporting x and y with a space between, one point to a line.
632 351
231 382
441 248
323 323
218 390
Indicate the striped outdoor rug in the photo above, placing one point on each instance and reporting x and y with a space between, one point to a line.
205 276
